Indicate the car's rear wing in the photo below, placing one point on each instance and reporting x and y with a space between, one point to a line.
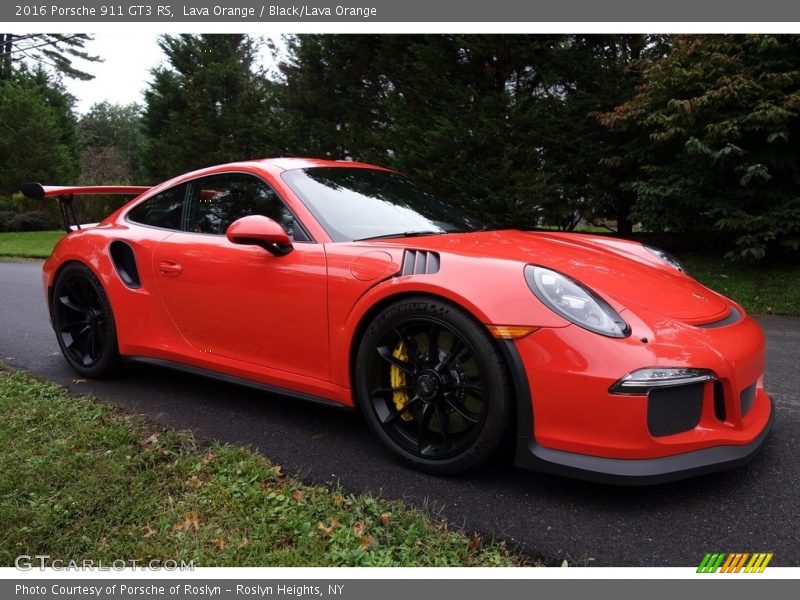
66 193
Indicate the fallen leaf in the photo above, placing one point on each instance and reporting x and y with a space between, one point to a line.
297 495
150 532
360 528
268 488
194 481
338 500
385 518
153 439
365 542
219 543
475 543
327 531
245 542
190 522
209 458
78 381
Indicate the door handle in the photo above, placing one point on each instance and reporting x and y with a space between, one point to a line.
169 268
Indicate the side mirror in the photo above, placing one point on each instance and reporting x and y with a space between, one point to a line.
257 230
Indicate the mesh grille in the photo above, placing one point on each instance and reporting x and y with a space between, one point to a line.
675 409
747 397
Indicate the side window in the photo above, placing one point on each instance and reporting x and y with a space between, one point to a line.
162 210
217 201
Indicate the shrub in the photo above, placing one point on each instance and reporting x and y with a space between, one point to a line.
34 220
5 219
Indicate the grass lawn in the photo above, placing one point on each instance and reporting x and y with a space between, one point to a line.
79 479
29 244
762 290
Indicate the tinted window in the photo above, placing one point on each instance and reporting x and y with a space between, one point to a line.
217 201
162 210
355 203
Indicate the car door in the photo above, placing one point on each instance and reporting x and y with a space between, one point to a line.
241 302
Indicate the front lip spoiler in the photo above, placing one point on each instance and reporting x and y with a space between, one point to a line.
646 471
619 471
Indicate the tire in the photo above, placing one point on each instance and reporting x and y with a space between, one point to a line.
422 363
84 322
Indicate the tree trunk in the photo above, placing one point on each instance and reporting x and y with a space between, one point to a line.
624 224
6 45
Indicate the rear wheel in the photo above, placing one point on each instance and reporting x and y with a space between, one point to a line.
84 323
433 386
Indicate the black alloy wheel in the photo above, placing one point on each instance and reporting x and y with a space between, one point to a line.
433 385
84 323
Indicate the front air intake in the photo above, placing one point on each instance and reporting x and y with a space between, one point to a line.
674 409
420 262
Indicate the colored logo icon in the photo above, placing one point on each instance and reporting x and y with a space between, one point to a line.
739 562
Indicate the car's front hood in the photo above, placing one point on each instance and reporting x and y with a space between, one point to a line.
617 269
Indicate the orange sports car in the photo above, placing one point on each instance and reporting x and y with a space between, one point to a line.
345 283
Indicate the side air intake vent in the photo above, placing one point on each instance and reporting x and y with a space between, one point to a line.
420 262
125 264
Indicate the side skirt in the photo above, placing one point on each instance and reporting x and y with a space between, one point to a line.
263 387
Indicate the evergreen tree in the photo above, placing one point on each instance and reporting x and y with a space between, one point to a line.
54 51
39 137
503 125
208 106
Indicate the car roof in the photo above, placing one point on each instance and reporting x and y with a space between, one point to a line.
289 163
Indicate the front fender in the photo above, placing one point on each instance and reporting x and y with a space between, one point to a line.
492 290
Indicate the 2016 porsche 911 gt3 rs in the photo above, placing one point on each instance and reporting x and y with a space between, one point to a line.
343 282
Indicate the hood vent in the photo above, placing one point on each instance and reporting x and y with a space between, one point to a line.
420 262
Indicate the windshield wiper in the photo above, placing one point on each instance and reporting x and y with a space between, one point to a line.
400 234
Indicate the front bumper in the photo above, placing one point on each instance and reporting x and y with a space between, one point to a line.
642 471
570 423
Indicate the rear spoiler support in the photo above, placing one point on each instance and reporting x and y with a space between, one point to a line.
67 211
66 195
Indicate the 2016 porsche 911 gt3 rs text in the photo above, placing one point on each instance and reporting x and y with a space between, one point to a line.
343 282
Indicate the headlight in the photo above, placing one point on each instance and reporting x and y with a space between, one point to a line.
667 258
575 302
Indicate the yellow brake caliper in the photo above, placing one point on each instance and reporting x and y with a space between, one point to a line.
397 378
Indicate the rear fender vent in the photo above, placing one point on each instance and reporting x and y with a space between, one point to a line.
420 262
125 263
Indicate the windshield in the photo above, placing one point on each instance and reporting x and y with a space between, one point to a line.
355 203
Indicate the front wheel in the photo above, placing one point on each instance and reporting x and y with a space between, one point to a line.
84 323
433 386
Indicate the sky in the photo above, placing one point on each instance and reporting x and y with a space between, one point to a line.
125 72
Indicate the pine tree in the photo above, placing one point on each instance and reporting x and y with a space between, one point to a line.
208 106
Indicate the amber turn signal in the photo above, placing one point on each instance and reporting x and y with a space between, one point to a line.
510 332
